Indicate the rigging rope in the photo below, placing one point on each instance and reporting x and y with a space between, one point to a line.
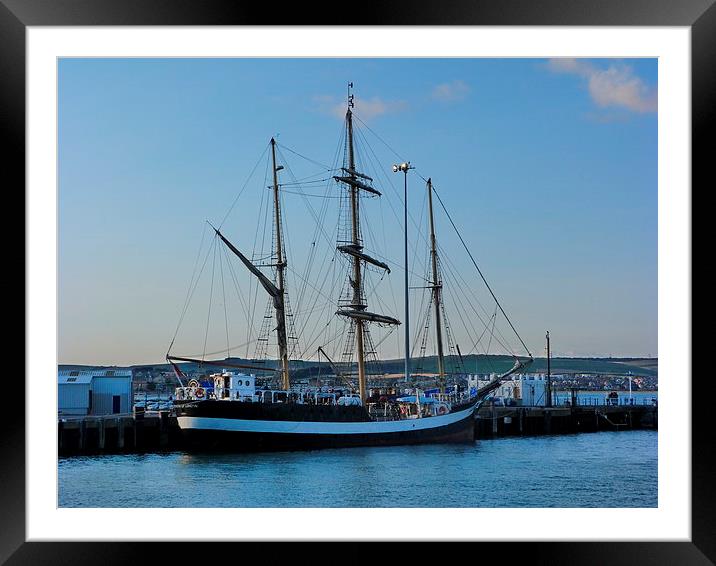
223 296
458 234
457 298
326 167
190 290
469 292
479 270
211 295
243 188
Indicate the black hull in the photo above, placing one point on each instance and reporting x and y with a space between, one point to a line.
212 440
231 441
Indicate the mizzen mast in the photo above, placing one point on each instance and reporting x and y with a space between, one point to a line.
436 286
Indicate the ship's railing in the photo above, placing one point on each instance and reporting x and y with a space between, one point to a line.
383 411
194 393
394 412
453 398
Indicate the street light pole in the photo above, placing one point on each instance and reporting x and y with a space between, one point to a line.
548 400
405 167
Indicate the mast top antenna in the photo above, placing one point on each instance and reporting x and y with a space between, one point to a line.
351 104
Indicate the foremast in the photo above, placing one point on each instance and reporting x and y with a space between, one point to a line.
280 283
357 312
277 288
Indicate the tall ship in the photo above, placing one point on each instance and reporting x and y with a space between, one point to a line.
229 410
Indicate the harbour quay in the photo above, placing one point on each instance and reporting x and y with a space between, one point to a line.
118 433
158 431
495 421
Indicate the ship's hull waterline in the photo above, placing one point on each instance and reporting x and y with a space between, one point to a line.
233 433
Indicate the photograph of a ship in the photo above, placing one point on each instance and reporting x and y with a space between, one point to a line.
358 262
293 418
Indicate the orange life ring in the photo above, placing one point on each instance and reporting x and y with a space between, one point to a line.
200 392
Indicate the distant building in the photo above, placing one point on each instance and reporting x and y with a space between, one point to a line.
525 389
533 389
94 392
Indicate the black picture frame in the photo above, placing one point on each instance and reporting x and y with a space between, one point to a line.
699 15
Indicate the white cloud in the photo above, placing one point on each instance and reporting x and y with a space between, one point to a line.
365 108
617 85
451 92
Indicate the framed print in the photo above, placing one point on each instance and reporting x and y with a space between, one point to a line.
402 274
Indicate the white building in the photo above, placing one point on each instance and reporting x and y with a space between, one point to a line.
533 389
94 392
526 389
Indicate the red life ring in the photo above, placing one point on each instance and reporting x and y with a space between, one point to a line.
442 410
200 392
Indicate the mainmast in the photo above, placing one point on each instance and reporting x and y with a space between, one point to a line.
357 302
280 266
357 312
437 288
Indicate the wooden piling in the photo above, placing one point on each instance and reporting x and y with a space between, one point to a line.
100 437
562 420
82 429
120 433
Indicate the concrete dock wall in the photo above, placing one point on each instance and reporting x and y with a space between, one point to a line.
493 422
115 434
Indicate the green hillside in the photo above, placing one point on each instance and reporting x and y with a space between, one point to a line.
470 364
500 364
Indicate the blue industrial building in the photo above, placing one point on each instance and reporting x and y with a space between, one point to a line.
94 392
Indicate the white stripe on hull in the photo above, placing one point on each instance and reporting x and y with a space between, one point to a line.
318 427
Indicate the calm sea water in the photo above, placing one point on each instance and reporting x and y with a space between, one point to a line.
605 469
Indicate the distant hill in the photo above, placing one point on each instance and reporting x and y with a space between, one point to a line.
500 364
470 364
641 362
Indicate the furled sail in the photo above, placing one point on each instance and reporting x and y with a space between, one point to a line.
219 363
177 371
354 172
358 184
271 289
355 251
369 316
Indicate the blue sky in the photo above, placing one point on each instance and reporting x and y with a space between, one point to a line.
549 168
